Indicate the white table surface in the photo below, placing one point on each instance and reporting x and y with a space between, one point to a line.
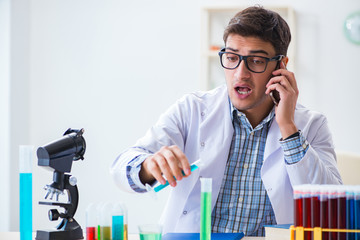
16 236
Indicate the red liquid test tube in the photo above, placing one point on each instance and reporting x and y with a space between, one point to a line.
333 212
315 207
341 194
91 222
298 206
307 211
324 211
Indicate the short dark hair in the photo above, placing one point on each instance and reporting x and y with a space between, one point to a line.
261 23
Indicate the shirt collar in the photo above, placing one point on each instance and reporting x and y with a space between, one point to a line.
239 114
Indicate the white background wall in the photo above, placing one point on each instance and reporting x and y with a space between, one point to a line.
112 67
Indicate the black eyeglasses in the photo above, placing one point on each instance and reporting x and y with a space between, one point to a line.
256 64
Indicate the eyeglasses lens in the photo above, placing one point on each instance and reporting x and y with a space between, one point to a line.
253 63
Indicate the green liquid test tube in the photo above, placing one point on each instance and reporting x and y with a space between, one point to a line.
105 221
205 221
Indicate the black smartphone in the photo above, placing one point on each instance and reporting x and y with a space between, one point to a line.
275 96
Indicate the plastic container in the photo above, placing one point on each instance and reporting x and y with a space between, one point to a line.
91 222
25 194
205 221
105 221
119 222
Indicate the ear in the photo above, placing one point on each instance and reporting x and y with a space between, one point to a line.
285 60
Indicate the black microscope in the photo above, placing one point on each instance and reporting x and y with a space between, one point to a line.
58 156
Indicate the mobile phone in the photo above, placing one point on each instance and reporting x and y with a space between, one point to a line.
275 96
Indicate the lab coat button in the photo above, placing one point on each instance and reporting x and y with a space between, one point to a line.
202 114
184 212
202 144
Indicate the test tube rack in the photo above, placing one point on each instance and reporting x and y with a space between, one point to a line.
297 233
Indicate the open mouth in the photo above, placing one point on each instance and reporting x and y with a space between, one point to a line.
243 90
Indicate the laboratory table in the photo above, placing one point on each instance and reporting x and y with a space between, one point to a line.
16 236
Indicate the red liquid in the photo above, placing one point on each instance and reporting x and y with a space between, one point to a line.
298 212
324 218
307 217
315 212
90 233
333 217
342 216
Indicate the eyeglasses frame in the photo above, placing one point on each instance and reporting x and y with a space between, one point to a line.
276 58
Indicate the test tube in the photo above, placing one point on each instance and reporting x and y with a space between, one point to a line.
105 221
324 210
91 222
350 212
333 211
315 206
25 194
357 210
205 221
298 206
307 210
341 195
119 222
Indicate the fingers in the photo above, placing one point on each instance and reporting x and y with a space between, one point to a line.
288 77
170 163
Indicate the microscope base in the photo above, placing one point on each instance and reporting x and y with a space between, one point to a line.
74 234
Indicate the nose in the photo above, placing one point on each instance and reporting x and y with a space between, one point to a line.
241 71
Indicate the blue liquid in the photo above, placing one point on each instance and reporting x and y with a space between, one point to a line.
25 206
350 218
160 187
357 218
118 227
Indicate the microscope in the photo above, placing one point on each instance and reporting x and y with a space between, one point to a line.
58 156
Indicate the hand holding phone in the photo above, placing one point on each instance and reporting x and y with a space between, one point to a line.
275 95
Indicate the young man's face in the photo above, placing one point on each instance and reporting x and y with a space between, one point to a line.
247 89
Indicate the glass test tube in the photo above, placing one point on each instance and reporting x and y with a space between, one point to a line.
25 194
341 195
315 206
119 222
357 210
307 211
333 211
350 212
324 210
205 221
91 222
105 222
298 209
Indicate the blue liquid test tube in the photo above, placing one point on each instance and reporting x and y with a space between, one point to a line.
350 212
118 222
25 194
357 210
193 167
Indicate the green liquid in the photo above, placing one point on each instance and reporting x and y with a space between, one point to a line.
150 236
105 233
205 225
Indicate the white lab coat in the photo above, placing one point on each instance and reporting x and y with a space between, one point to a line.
200 124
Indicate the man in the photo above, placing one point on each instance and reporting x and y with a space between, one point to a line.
253 149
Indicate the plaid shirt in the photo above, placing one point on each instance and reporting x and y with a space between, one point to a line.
243 204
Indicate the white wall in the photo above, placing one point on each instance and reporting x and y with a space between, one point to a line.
112 67
4 112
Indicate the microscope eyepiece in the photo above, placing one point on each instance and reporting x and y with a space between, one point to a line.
60 153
